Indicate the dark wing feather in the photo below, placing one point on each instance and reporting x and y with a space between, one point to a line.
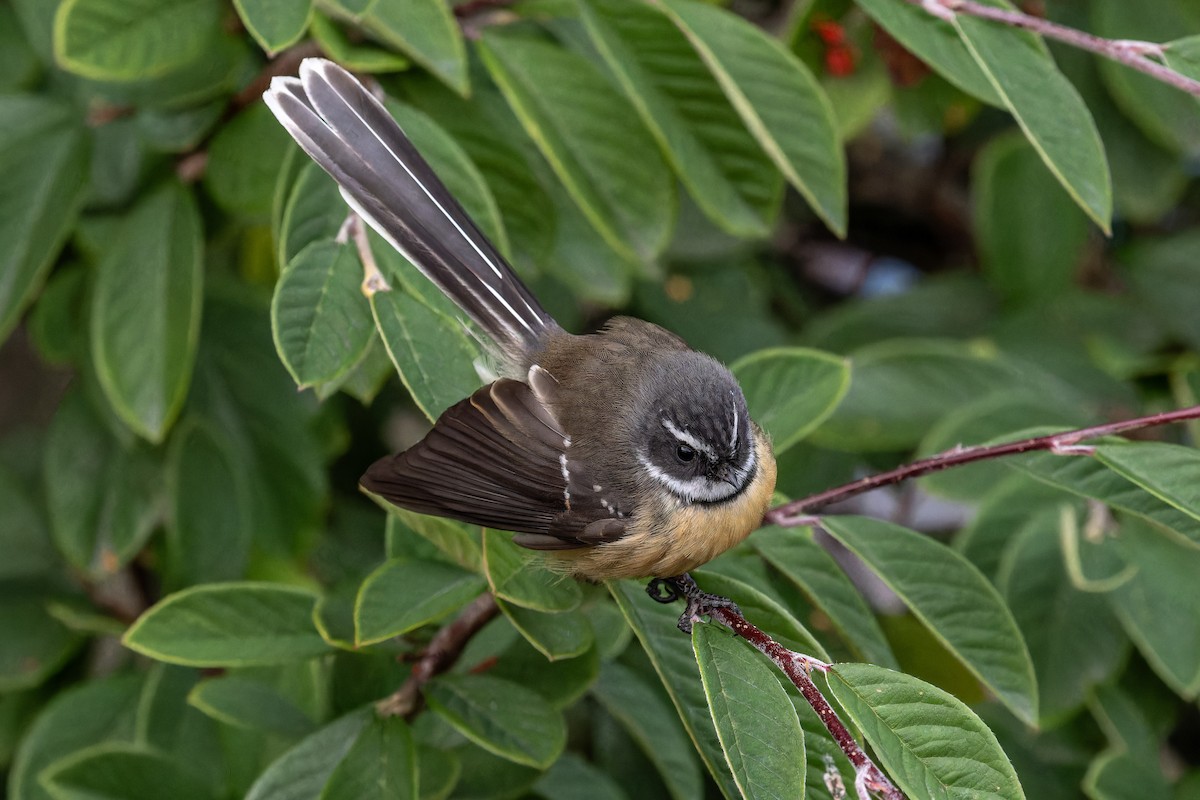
498 459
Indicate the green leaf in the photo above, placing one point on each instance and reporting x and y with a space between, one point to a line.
556 635
1089 477
575 778
34 645
320 320
1157 606
245 158
459 542
438 772
431 352
778 99
1129 769
314 210
250 704
926 740
1162 272
1183 56
953 599
145 315
673 660
791 391
682 105
24 534
82 714
382 764
125 40
404 594
425 30
303 771
1075 641
208 533
935 42
43 154
611 167
1030 233
652 723
521 577
806 564
1168 471
560 683
355 56
229 625
501 717
761 610
275 24
122 772
1048 109
756 723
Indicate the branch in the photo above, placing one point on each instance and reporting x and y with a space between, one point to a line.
797 512
1133 54
798 668
438 656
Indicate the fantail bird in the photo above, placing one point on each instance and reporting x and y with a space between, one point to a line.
622 453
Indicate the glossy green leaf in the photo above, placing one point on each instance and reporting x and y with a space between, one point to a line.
43 154
404 594
145 315
250 704
928 741
561 683
953 599
426 31
275 24
501 717
303 771
1183 56
431 352
612 169
34 645
556 635
1089 477
778 99
935 42
230 625
521 577
122 772
1074 639
208 532
1157 604
762 610
1167 471
314 210
791 391
1030 233
356 56
381 765
805 563
459 542
1048 109
671 654
647 717
81 715
320 319
756 723
682 105
244 160
123 40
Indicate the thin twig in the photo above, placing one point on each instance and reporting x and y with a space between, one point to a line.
373 280
1133 54
797 667
797 512
438 656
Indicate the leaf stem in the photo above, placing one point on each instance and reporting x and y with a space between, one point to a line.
1133 54
798 667
438 656
799 512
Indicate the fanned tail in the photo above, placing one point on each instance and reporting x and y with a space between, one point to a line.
349 133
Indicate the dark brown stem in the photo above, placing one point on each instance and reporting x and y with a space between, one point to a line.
797 667
438 656
1133 54
796 512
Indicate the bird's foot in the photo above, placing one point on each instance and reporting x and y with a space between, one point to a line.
699 603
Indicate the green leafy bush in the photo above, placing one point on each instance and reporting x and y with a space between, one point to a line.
904 232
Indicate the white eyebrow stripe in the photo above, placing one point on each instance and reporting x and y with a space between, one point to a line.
686 437
692 489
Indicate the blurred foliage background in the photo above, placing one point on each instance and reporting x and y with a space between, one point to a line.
956 233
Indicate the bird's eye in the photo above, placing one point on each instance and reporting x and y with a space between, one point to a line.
684 453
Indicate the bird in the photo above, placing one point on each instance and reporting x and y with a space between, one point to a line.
622 453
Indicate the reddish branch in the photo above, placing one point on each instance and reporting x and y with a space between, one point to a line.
1067 443
438 656
1135 55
